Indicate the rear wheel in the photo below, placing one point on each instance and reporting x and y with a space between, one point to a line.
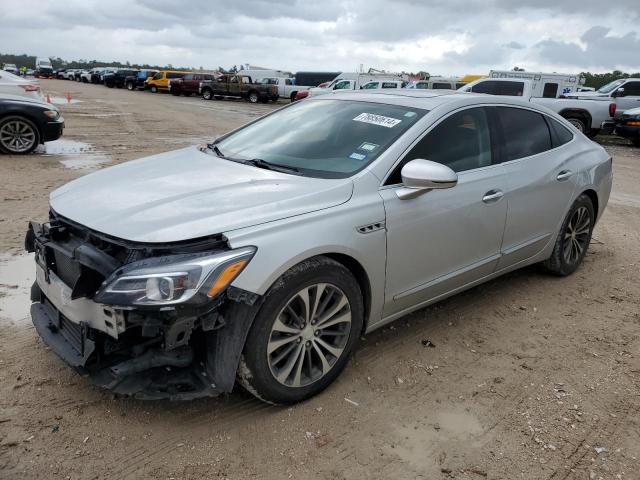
254 97
207 94
573 239
18 135
579 123
130 86
175 92
186 94
154 89
304 332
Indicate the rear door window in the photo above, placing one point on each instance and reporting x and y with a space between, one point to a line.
389 85
524 133
175 75
441 86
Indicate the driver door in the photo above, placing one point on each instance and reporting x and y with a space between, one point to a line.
445 239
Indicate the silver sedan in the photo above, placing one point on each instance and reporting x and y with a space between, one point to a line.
265 255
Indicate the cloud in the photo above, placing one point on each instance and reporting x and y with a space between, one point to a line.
439 36
599 50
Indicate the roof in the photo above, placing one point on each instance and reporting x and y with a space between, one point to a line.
426 99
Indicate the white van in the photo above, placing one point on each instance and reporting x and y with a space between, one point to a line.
544 85
436 83
354 81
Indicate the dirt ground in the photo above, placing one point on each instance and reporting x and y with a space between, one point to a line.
528 376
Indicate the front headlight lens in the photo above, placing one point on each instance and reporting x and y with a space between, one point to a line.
174 279
52 114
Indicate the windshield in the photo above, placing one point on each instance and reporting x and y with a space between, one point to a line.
323 138
609 87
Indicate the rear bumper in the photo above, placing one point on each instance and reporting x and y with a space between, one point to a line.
627 131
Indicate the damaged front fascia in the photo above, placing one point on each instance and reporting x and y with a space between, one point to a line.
199 346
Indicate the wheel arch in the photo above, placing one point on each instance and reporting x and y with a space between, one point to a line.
577 112
593 196
361 276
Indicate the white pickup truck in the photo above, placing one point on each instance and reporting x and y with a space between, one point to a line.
588 116
286 86
625 92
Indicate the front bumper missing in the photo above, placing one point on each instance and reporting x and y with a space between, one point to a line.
177 354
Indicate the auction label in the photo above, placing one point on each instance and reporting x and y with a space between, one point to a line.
379 120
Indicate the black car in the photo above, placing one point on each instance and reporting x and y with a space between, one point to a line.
25 123
138 80
117 78
628 126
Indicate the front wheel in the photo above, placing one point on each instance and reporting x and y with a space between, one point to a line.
573 239
304 332
18 135
130 86
154 89
207 94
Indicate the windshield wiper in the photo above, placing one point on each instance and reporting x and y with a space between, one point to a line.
277 167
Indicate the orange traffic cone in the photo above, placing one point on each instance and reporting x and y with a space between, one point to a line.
68 95
48 98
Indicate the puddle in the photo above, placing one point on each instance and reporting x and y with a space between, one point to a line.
76 155
63 100
17 274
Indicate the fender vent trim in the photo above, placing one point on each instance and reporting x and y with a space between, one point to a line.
371 227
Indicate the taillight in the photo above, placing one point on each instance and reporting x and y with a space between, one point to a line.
612 109
302 94
30 88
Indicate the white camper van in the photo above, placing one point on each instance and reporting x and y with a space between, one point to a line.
353 81
544 85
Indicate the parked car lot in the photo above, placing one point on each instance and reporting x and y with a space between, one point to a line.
496 369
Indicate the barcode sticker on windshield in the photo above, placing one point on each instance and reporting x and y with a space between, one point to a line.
379 120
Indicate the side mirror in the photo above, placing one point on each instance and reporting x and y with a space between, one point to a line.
619 92
419 176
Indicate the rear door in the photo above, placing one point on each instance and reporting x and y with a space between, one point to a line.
444 239
541 179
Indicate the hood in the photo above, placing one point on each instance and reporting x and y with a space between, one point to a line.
187 194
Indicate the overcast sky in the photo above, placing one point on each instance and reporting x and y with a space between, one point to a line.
438 36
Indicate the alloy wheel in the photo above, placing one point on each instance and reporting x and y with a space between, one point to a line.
17 136
576 236
309 335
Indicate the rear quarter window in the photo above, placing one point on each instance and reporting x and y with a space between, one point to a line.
559 133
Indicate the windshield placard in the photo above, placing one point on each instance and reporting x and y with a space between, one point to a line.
379 120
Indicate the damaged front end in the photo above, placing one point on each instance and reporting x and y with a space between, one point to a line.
145 320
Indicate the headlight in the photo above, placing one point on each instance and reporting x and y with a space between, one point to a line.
174 279
52 114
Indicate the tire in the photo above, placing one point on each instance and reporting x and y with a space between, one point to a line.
259 367
176 92
29 136
153 89
573 239
130 86
579 123
207 94
186 94
636 142
253 97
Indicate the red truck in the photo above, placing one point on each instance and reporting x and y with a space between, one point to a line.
188 84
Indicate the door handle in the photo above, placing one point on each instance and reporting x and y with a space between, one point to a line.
492 196
564 175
